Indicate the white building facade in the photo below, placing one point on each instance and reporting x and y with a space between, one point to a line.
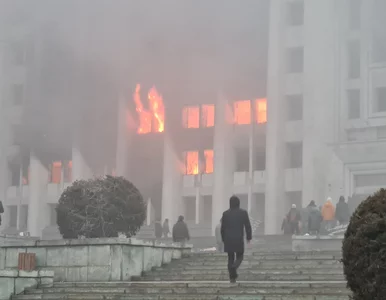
322 133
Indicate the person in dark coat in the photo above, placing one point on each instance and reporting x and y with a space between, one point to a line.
294 218
342 212
285 226
158 229
314 219
180 231
234 221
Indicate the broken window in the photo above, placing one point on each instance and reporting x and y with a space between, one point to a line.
354 59
191 117
295 107
261 111
56 172
355 14
380 105
294 155
207 115
295 60
295 13
242 112
353 104
17 94
208 161
191 162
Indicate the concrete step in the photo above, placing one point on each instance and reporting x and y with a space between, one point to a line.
202 284
181 267
224 271
244 277
268 256
178 297
262 262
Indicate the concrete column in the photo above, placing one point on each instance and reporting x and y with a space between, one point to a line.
37 196
275 144
126 128
198 204
80 169
171 197
250 170
223 171
320 95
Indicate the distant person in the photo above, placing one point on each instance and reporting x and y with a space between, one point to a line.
328 213
219 242
165 228
180 231
293 218
233 223
1 210
342 213
314 219
158 229
285 226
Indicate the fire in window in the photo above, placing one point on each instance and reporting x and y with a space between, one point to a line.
56 172
242 112
191 117
208 161
207 115
261 111
191 162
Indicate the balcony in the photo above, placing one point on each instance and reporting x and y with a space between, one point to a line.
293 180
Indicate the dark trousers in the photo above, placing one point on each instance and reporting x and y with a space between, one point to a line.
234 264
294 227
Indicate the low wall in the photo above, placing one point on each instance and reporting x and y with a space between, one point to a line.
9 239
313 243
13 282
108 259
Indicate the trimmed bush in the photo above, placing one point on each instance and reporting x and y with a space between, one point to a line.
364 249
101 207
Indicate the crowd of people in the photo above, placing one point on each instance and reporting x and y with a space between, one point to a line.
180 231
313 219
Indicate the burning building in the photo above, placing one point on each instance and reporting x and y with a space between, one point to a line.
317 130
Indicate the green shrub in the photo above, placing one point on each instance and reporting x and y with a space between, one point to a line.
102 207
364 249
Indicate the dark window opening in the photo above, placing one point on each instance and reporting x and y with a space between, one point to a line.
354 59
295 60
355 14
15 175
295 13
378 32
381 99
12 215
294 155
259 162
295 107
242 160
190 208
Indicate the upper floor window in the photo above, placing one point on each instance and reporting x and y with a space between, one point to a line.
56 172
353 104
207 115
242 112
208 161
295 13
354 59
295 60
355 14
380 104
191 117
191 162
261 111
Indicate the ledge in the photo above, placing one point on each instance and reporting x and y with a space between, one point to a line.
15 243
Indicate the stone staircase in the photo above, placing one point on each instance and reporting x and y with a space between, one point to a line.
203 276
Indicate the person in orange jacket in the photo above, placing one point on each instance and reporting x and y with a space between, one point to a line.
328 213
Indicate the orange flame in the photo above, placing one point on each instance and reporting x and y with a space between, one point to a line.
155 116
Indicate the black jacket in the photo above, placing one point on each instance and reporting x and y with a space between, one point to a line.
342 212
180 232
314 219
234 220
